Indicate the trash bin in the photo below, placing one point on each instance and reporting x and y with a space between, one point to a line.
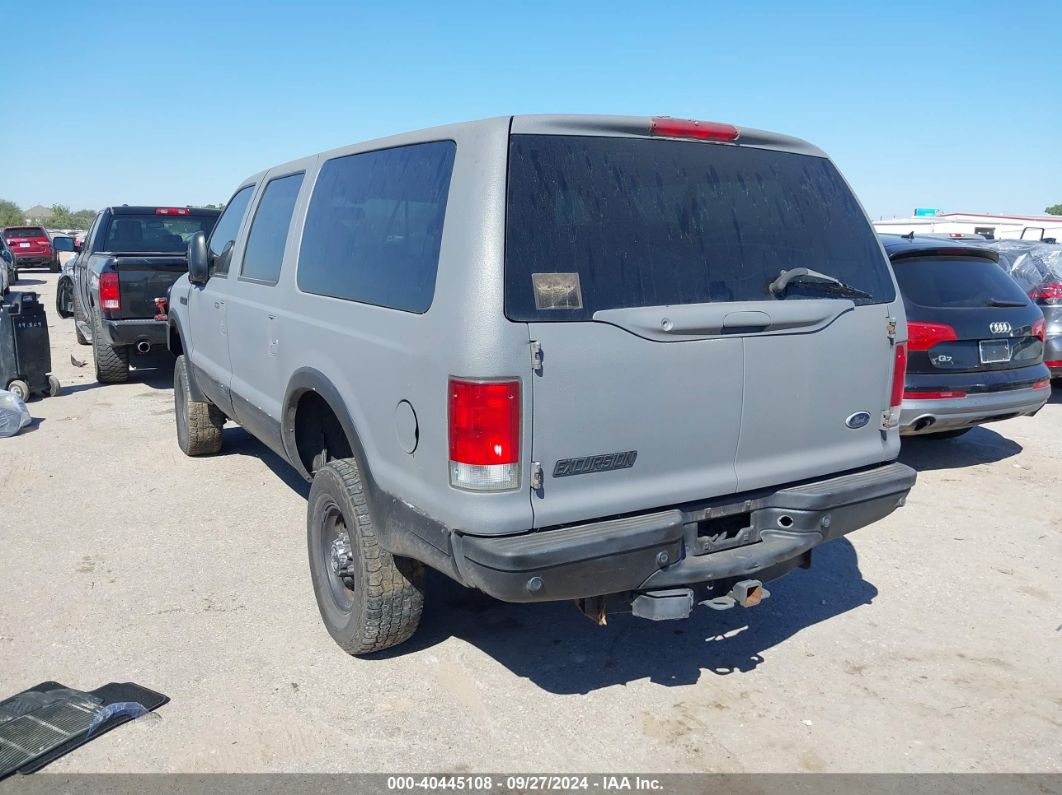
25 351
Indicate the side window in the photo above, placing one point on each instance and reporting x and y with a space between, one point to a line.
226 229
374 226
264 253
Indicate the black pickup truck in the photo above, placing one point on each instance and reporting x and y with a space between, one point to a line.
130 258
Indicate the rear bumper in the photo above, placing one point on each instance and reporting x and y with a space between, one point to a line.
34 260
932 416
666 549
117 333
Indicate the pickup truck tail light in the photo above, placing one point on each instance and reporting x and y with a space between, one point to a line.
110 295
484 429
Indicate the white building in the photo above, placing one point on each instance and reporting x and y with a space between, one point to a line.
1011 227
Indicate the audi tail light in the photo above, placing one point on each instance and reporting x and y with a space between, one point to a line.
1039 330
923 336
484 430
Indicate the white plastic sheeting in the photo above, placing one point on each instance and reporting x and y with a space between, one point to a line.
14 416
1030 264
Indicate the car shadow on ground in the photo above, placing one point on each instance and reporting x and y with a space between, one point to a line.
24 282
563 652
239 442
154 369
979 446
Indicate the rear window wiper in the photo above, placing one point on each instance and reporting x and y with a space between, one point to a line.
816 279
1003 302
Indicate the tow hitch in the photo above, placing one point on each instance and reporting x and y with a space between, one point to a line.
747 593
678 602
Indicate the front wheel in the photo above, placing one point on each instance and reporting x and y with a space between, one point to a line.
199 425
369 599
63 303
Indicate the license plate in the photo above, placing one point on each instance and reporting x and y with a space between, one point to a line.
995 351
23 245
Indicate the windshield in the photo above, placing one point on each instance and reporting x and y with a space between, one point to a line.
155 233
603 223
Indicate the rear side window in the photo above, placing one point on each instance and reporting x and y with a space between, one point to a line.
956 282
374 226
264 252
24 231
605 223
228 226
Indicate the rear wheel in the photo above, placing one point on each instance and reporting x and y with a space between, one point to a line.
112 364
54 387
369 599
199 425
945 434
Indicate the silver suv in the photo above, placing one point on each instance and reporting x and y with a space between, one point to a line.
638 363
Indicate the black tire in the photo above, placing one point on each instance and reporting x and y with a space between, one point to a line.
19 389
54 387
945 434
199 425
63 298
78 317
112 364
378 602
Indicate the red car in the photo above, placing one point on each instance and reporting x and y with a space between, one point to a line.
31 246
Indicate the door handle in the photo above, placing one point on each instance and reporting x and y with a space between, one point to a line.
219 304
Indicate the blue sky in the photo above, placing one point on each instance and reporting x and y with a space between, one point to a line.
956 105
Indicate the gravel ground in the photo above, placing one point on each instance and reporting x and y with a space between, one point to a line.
931 641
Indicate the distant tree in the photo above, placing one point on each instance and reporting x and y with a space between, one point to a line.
215 206
10 214
82 219
61 217
1054 209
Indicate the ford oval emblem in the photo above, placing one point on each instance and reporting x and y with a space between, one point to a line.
858 420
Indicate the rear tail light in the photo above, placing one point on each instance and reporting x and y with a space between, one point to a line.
110 295
484 420
1054 364
688 128
933 394
899 372
1046 292
923 336
1044 383
1039 330
171 211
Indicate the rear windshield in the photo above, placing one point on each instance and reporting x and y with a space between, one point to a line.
24 231
956 282
604 223
157 234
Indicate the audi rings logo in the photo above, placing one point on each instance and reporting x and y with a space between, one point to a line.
999 328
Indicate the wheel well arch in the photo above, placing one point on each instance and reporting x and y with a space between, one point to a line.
174 338
316 425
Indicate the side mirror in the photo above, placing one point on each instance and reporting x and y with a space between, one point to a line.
77 246
198 259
